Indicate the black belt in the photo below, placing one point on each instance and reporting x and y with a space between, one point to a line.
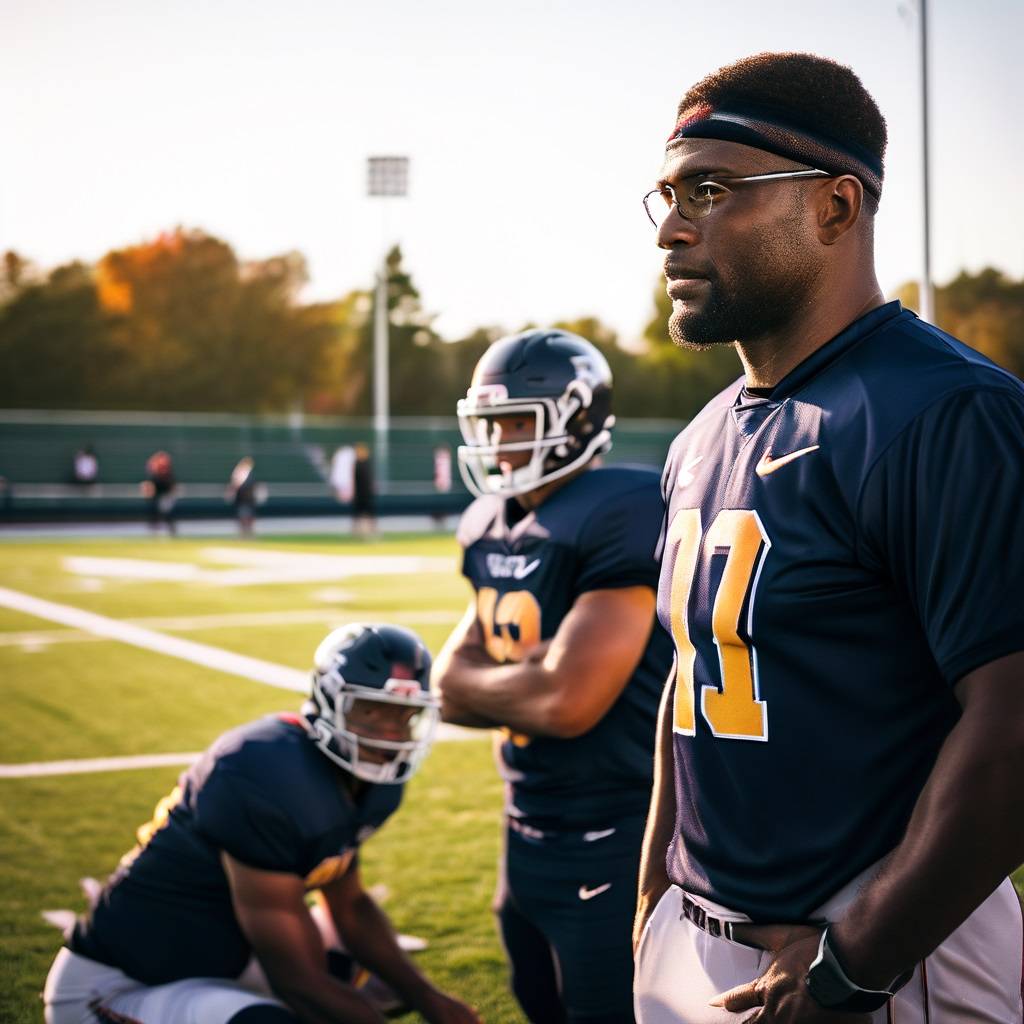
714 926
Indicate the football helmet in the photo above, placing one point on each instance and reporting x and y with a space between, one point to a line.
558 378
362 675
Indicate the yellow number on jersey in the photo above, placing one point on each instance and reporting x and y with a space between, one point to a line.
145 833
733 711
511 627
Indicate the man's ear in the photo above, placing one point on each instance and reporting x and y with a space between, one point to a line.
839 206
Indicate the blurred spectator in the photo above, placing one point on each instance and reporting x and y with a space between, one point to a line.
364 521
161 488
342 472
442 479
85 469
242 491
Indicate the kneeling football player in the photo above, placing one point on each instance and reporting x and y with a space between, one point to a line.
206 919
560 648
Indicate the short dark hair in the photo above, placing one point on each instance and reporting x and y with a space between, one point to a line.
810 91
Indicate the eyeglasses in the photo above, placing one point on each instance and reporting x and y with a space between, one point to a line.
698 203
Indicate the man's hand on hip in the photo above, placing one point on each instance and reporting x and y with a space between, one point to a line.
780 996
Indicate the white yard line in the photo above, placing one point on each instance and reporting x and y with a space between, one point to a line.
37 639
188 650
137 636
255 567
35 769
89 765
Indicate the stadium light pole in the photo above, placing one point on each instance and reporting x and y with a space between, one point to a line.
926 299
387 177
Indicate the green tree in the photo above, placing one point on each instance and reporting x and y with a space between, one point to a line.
55 346
197 329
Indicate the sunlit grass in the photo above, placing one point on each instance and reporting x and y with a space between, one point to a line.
97 698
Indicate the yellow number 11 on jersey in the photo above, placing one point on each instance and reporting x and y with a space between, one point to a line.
733 711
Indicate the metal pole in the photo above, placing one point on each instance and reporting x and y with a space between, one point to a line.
380 373
927 296
387 176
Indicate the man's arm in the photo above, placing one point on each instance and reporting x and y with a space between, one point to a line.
965 836
271 910
368 936
660 820
465 643
563 688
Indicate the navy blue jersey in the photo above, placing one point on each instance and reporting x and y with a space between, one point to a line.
836 557
268 797
597 532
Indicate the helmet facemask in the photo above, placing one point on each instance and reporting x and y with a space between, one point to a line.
348 714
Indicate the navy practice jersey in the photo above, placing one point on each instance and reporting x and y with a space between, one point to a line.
265 794
836 557
597 532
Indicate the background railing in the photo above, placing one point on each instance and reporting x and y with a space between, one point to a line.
292 459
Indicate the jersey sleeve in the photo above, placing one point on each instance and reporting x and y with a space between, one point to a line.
235 816
940 516
667 477
617 543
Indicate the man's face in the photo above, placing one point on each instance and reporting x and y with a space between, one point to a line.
508 430
741 272
377 720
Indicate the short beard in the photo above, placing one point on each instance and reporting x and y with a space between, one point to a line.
764 304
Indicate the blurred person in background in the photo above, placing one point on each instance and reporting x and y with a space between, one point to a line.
442 479
364 520
340 479
85 467
242 492
161 488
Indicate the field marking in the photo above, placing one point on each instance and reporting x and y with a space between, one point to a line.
39 639
37 769
256 567
255 669
90 765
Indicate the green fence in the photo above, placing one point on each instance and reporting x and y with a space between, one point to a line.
292 459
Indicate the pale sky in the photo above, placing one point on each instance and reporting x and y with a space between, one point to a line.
534 128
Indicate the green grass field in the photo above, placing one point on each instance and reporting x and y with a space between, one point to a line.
68 695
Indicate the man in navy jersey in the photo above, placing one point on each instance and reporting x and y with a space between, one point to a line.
837 799
558 649
206 920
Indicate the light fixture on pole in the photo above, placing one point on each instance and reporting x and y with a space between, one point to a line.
926 300
387 177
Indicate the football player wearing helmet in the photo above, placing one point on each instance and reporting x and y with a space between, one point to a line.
559 649
206 919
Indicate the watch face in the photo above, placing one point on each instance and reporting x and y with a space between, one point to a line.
827 985
831 988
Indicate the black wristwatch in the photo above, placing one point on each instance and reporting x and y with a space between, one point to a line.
828 983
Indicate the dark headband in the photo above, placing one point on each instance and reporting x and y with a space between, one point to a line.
765 130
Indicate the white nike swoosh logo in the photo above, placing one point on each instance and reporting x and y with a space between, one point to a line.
592 837
769 465
685 476
589 894
524 571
